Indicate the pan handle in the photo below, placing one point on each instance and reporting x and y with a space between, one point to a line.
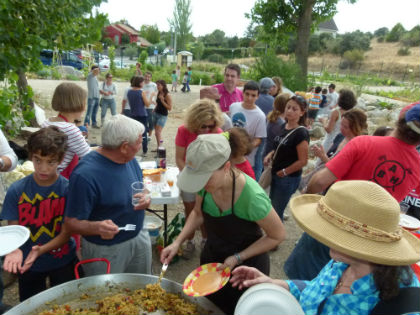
87 261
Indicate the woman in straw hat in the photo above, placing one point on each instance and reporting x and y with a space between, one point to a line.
369 272
234 209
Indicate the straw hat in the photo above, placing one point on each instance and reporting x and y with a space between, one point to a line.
360 219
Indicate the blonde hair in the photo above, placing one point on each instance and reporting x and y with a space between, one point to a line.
69 98
200 112
279 83
279 106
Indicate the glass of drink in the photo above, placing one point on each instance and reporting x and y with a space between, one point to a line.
137 191
170 177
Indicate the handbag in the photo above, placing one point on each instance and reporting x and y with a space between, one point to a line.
266 175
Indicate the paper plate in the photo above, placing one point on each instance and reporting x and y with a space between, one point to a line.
267 299
205 280
12 237
409 222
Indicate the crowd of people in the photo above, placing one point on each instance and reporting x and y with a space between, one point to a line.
348 207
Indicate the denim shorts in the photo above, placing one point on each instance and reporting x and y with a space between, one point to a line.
160 119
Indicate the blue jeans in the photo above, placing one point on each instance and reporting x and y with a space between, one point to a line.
259 156
307 259
282 189
143 120
127 112
92 110
150 122
188 86
105 104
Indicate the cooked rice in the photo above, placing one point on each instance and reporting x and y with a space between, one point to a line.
150 299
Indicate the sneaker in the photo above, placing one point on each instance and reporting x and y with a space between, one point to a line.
144 154
96 127
188 250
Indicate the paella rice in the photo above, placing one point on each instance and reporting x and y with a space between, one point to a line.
150 299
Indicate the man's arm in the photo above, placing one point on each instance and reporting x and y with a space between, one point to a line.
320 181
106 228
8 157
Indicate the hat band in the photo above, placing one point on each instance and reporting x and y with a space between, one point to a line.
413 127
355 227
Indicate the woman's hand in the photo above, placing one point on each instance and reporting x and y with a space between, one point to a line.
30 259
169 252
230 262
267 159
245 277
13 261
318 150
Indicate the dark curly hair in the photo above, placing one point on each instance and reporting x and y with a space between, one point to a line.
346 99
388 278
405 133
48 141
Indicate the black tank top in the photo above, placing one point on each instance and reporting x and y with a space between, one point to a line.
160 109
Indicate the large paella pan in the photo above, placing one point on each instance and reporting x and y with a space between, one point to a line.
83 293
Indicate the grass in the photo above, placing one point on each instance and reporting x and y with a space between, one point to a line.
405 95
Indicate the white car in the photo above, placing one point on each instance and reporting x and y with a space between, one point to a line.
105 64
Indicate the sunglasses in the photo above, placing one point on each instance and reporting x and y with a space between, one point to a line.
208 126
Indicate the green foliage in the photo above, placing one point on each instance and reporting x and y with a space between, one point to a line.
151 33
143 56
227 52
43 73
197 49
55 74
180 22
111 55
353 41
216 58
396 33
131 52
381 32
404 51
352 58
405 95
215 38
125 39
72 77
269 65
14 111
385 105
412 38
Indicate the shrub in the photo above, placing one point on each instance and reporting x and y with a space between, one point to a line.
216 58
205 78
353 58
404 51
143 56
72 77
43 73
55 74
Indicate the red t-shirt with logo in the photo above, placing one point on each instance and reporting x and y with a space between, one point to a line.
387 161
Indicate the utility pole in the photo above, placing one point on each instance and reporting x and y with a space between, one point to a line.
175 59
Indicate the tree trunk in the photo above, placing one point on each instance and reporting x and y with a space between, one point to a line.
22 85
303 34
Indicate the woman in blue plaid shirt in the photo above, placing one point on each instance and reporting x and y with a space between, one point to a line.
371 254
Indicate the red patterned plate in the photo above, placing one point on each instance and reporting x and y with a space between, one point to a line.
206 279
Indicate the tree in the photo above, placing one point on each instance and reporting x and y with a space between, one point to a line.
181 22
27 27
279 18
381 32
396 33
151 33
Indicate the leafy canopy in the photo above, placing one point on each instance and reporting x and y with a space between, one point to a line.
27 27
180 22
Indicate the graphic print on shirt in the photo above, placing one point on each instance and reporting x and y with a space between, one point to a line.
389 173
239 120
43 217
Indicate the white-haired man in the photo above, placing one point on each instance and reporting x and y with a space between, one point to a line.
99 201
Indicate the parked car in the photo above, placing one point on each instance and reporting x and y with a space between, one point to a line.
105 64
65 58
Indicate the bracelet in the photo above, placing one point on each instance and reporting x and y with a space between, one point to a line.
284 172
238 258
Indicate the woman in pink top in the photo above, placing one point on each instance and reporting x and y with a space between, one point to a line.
203 116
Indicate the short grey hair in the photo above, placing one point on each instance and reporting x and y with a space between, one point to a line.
120 128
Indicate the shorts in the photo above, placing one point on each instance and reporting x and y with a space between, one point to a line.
312 113
187 197
159 119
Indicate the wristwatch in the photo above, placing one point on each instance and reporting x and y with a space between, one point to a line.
1 163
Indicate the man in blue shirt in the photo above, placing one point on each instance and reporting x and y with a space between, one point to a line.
100 201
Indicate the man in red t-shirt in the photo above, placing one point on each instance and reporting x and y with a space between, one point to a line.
392 162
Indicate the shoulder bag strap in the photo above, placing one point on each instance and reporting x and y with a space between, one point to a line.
284 139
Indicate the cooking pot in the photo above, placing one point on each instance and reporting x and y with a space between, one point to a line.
97 287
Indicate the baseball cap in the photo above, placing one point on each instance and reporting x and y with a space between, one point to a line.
412 115
205 155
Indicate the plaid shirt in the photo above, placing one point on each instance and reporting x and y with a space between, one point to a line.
363 299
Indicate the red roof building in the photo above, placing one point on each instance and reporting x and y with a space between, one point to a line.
115 32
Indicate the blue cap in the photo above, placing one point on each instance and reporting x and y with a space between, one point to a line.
412 115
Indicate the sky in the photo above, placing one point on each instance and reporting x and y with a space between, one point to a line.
229 15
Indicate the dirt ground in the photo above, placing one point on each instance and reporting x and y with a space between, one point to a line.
44 90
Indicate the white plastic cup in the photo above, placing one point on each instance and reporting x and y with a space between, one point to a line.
136 189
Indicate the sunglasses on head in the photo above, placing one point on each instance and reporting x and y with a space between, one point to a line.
299 99
208 126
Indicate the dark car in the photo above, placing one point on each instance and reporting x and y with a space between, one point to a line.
65 58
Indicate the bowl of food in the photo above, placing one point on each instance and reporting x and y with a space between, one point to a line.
153 224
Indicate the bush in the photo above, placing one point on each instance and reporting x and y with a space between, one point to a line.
353 58
55 74
43 73
216 58
381 39
143 56
404 51
396 33
72 77
270 65
205 78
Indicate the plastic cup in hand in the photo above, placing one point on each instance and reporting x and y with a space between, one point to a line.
136 188
404 207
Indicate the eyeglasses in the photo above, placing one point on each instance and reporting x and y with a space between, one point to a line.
208 126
